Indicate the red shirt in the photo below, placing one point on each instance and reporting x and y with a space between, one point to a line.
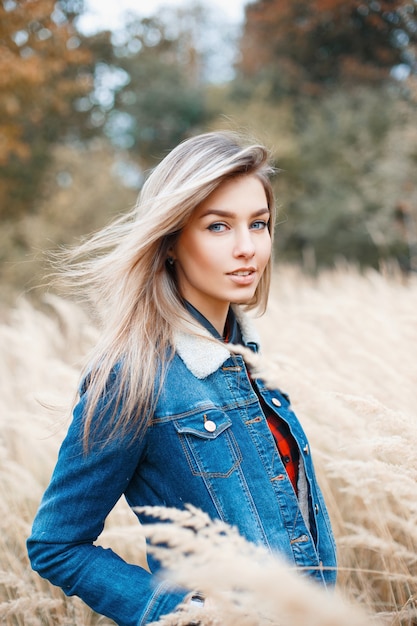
287 447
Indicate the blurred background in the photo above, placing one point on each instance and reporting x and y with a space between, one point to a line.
92 94
92 98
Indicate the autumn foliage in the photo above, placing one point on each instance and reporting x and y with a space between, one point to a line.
317 81
310 43
41 74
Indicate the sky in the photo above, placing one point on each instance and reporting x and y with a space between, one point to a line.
108 14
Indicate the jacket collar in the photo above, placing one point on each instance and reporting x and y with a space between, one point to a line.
202 354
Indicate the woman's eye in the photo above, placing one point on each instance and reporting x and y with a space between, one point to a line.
259 225
218 227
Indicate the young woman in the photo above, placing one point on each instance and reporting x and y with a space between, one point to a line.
169 411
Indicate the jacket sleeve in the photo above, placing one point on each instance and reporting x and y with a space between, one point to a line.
85 486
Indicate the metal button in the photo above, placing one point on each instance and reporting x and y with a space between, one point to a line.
316 508
210 426
276 402
306 449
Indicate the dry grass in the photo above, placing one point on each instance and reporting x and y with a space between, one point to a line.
343 347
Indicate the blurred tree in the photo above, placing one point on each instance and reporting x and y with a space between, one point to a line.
329 61
45 67
141 87
304 45
160 97
353 158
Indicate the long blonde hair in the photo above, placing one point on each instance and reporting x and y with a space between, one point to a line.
124 273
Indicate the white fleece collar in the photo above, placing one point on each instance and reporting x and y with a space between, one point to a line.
201 353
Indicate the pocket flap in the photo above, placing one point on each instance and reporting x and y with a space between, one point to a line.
207 425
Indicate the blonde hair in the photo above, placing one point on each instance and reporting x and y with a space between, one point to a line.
124 273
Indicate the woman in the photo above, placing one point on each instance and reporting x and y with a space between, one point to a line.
169 411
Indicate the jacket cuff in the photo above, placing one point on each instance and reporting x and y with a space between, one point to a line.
163 601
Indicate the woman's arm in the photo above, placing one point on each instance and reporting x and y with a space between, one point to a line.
83 490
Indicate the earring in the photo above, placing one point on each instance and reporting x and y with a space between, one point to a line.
170 260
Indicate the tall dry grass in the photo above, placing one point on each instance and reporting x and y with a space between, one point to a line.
343 346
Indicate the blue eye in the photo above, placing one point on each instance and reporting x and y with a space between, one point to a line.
218 227
259 225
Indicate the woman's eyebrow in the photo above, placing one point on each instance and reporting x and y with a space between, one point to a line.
222 213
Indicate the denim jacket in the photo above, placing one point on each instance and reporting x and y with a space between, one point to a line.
232 472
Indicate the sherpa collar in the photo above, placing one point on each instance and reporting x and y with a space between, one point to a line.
202 354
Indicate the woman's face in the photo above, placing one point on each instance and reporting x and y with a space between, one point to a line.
222 252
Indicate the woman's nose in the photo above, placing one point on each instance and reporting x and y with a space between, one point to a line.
244 245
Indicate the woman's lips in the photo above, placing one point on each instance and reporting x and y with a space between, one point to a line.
243 276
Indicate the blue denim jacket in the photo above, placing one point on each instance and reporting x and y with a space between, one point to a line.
233 473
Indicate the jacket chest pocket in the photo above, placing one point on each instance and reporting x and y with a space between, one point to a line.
209 444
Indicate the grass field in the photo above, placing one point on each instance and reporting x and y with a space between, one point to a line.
343 345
